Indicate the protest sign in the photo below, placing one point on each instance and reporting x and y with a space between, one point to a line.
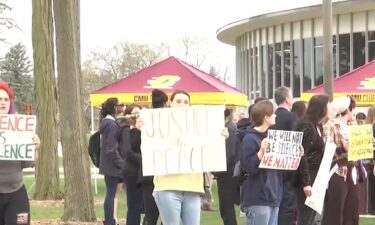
16 132
284 152
360 142
183 140
316 200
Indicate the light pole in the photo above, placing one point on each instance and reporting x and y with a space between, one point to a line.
327 49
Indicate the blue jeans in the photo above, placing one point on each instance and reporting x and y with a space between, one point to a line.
111 186
178 205
262 215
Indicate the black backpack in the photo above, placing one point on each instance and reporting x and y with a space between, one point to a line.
94 148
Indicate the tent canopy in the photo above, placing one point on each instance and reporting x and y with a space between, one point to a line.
169 75
359 83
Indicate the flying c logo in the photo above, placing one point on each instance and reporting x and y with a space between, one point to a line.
367 84
163 81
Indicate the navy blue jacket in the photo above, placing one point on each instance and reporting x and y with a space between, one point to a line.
111 161
262 187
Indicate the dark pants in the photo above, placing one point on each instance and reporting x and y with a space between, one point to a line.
227 191
371 191
341 202
151 209
14 207
306 215
111 186
288 205
134 201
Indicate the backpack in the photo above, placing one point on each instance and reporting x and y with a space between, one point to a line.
94 148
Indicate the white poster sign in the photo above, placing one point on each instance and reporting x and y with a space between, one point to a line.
183 140
284 150
316 200
16 132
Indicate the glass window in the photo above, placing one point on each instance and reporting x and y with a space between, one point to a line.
371 45
307 42
251 77
371 49
255 71
371 35
318 47
270 71
344 53
278 64
264 69
358 49
287 63
297 66
334 56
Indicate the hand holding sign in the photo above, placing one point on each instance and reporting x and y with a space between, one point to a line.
36 141
307 190
225 132
263 147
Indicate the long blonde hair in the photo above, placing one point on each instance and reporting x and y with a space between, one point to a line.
370 119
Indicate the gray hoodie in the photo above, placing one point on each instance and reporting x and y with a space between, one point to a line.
11 175
111 162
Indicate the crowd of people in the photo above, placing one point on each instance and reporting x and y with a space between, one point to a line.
265 196
274 197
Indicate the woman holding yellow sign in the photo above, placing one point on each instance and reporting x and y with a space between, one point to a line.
341 202
14 202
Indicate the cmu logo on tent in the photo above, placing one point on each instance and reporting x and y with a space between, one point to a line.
163 81
367 84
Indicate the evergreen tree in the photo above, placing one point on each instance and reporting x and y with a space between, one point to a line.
15 69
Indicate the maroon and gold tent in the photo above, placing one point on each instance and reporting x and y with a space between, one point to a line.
359 83
169 75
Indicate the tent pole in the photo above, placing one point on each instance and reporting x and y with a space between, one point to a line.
92 131
92 120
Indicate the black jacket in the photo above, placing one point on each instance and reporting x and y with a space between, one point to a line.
111 161
232 145
313 145
231 149
130 145
285 120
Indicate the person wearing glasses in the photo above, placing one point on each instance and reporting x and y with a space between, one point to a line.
111 161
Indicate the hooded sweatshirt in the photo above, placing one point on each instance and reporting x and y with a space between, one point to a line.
111 162
262 187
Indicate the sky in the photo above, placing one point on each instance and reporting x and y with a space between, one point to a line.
106 22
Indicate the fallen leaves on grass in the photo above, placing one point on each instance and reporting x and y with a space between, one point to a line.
58 203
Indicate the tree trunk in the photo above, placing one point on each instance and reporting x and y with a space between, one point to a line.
79 202
47 173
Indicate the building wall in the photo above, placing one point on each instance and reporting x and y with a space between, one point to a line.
291 54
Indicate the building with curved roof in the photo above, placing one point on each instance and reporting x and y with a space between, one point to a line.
286 47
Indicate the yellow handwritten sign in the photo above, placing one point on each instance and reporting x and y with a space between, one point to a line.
360 142
163 81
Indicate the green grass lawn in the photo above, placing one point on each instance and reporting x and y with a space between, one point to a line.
51 211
